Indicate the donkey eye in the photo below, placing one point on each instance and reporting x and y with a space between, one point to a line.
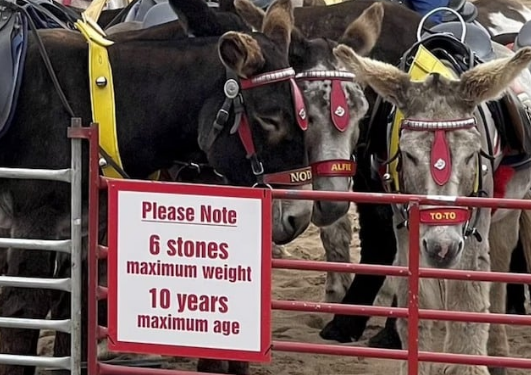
413 159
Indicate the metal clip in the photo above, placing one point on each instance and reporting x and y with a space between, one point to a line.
231 88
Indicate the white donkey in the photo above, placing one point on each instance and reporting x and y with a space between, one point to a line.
442 152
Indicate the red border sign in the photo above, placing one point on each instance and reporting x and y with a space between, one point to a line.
264 195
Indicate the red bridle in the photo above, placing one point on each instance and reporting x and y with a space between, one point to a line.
340 116
241 123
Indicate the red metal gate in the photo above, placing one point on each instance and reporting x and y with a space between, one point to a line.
413 272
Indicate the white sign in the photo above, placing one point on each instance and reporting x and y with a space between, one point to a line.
187 266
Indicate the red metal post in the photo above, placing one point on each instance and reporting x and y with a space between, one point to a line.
413 302
94 177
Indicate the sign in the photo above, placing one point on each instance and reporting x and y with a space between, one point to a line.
190 270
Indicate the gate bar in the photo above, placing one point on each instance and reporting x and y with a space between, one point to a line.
92 134
62 246
35 283
57 325
360 351
373 269
401 312
388 198
63 175
27 360
413 293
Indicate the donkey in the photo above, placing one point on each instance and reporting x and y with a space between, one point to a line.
441 152
179 123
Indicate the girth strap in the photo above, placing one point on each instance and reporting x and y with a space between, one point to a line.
102 92
102 98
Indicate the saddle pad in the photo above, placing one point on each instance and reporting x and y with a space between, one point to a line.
13 44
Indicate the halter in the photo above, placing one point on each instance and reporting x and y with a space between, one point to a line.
340 118
440 170
234 102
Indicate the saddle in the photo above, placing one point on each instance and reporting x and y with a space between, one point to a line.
154 12
48 14
466 9
523 38
476 39
13 46
17 17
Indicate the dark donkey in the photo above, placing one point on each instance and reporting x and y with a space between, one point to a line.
164 104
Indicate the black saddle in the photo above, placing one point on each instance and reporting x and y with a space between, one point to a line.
13 46
523 39
48 14
476 38
466 9
154 12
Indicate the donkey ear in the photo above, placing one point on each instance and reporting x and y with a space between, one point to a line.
488 81
250 13
364 31
241 53
278 23
389 82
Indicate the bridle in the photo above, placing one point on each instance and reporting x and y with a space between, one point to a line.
339 113
460 58
340 116
233 103
440 170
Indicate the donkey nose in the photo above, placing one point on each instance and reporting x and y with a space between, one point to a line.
442 251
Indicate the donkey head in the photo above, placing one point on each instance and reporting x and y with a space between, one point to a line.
439 142
271 118
334 102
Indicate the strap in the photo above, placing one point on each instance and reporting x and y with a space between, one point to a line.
102 98
102 94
